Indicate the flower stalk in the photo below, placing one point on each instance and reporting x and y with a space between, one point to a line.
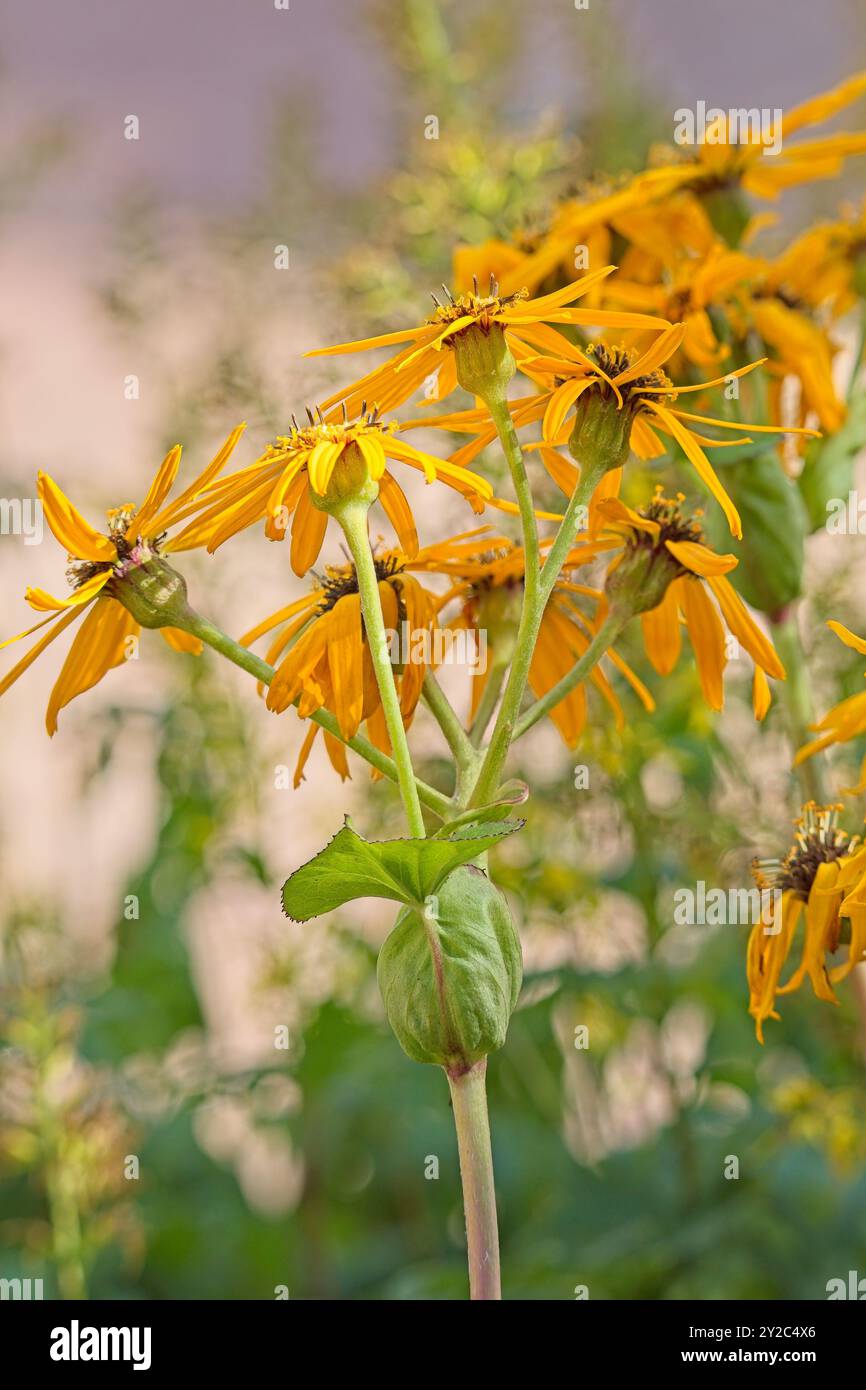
613 625
539 587
469 1100
797 700
352 516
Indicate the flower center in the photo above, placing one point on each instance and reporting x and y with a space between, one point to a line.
340 580
614 361
674 526
130 552
483 308
818 840
303 438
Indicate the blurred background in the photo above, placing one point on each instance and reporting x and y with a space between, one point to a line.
153 1141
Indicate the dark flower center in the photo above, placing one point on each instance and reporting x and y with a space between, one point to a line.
818 840
614 361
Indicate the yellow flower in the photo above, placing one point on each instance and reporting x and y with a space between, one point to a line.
300 471
587 221
324 660
717 162
662 551
524 322
704 169
99 565
686 295
818 267
487 574
845 721
634 385
821 880
802 349
770 298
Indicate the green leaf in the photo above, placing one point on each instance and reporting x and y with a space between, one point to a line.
828 471
407 871
771 555
513 793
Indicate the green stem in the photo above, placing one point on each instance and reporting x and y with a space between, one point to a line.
603 639
208 633
352 516
60 1186
469 1098
534 603
796 696
487 703
443 712
501 416
859 349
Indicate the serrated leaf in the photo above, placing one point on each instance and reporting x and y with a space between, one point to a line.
406 871
513 793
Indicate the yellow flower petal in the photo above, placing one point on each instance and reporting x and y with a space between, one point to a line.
75 534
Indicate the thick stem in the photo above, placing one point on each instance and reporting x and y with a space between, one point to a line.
248 661
796 695
603 639
469 1098
534 604
353 518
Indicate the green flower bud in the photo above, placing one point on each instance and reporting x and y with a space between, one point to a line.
484 362
602 430
450 975
641 579
827 475
151 589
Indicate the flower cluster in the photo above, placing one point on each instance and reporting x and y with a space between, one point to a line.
615 374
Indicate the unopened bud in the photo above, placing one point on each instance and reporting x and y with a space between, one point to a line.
601 432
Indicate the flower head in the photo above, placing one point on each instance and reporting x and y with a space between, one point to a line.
119 578
512 324
626 397
822 880
303 474
663 569
767 163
